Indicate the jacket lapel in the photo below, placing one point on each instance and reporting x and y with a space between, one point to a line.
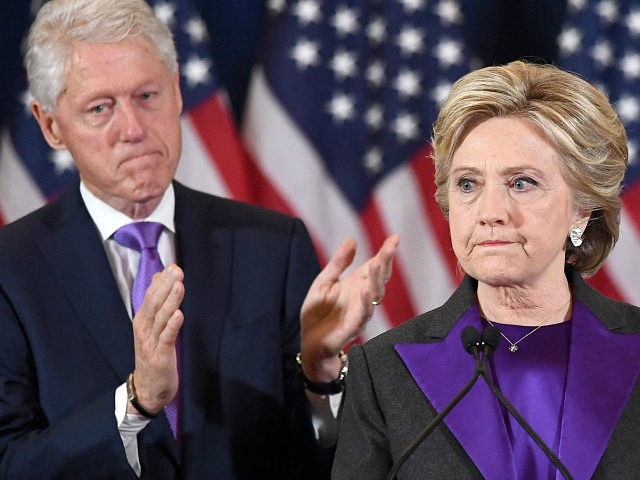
73 249
597 389
442 369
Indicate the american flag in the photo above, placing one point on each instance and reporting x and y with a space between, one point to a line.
213 158
600 40
339 119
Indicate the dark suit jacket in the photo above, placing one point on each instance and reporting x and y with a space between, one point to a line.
390 399
66 343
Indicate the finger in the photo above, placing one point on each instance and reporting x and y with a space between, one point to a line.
155 297
168 308
341 259
386 253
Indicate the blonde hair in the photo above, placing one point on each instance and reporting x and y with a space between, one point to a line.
60 24
574 116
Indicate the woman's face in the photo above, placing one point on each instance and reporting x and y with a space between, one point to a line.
510 208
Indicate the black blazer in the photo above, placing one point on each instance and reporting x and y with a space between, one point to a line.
66 343
385 409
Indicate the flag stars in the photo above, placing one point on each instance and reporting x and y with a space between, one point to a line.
373 161
411 41
26 98
633 23
166 11
375 74
377 31
343 64
628 108
440 92
405 127
407 83
196 71
276 6
62 161
197 30
306 54
411 6
630 65
607 10
345 21
602 53
341 107
632 149
569 41
448 52
374 117
449 12
307 11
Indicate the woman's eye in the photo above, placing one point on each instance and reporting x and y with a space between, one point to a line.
523 183
466 184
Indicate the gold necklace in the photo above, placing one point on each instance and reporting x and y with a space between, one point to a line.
513 346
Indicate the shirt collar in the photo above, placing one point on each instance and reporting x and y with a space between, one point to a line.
108 219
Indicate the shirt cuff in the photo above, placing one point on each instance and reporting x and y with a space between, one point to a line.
129 425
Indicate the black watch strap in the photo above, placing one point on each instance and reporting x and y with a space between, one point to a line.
133 399
324 388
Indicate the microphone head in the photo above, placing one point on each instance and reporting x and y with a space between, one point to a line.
470 338
491 337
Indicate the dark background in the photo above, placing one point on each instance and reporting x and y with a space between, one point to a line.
497 31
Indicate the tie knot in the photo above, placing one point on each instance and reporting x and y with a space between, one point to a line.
139 235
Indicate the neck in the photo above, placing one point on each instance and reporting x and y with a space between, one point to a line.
525 306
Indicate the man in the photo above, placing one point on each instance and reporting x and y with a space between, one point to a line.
85 395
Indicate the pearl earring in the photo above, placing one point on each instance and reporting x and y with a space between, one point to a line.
575 235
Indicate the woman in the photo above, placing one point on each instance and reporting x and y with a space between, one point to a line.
529 163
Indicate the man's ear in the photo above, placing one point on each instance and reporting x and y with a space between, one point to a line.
49 126
178 92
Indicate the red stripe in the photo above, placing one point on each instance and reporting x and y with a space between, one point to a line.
424 172
602 282
631 202
397 303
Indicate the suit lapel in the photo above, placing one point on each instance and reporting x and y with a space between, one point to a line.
597 389
441 369
73 249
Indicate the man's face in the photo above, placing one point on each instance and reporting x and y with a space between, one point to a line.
119 116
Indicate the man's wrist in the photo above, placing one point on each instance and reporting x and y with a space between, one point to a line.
132 397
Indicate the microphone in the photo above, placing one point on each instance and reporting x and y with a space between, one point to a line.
474 343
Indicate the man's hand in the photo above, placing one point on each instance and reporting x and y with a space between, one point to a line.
155 329
336 311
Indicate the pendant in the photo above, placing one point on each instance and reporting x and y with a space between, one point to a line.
513 348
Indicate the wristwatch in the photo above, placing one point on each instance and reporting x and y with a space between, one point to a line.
133 399
325 388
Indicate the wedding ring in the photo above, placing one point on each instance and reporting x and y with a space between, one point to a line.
375 303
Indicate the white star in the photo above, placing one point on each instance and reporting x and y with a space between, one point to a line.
196 71
577 5
26 98
449 12
341 107
165 11
628 108
343 64
632 149
197 30
376 74
345 21
405 127
377 31
375 116
307 11
35 6
407 83
569 40
607 10
448 52
602 53
633 22
412 5
305 53
276 6
373 162
440 92
410 41
630 65
62 161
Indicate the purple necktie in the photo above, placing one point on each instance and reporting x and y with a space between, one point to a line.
143 237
